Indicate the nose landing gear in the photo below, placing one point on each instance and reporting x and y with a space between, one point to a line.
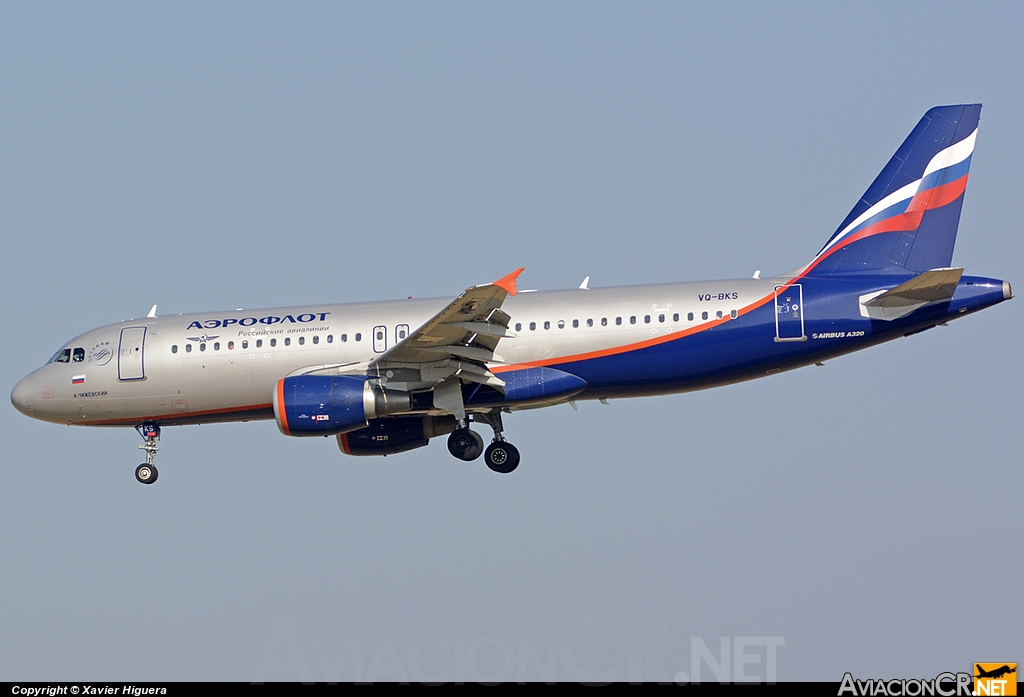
147 473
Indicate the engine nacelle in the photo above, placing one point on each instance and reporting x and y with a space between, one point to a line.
395 434
322 405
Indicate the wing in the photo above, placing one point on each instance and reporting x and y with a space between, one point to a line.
459 340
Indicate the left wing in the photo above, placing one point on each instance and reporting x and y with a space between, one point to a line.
459 340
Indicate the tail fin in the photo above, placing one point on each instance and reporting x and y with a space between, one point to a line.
907 219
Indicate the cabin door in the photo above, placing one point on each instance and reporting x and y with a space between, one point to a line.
131 362
789 313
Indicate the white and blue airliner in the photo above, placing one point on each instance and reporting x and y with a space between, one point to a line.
386 377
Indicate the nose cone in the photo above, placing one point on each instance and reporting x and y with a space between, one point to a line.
21 396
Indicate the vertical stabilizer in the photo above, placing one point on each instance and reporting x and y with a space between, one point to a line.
908 217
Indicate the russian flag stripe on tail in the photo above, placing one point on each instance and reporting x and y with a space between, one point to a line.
907 219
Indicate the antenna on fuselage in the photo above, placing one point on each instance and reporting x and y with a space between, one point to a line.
757 274
152 312
583 286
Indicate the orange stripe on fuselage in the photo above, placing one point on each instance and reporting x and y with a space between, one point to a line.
615 350
934 198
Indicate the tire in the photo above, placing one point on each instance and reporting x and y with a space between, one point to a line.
502 457
146 474
465 444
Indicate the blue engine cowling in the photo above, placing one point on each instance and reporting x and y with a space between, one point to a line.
322 405
394 434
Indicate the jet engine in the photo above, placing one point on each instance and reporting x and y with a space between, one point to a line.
395 434
323 405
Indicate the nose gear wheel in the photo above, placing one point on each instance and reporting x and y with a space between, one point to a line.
146 473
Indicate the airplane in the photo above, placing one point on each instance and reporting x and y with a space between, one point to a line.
386 377
995 673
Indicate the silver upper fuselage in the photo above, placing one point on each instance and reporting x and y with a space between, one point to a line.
196 370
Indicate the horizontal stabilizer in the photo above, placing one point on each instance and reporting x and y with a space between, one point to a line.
937 285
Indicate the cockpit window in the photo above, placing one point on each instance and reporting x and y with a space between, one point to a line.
78 355
62 356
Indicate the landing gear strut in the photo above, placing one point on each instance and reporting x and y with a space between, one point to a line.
146 473
501 456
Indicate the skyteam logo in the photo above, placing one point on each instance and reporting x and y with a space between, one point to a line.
101 353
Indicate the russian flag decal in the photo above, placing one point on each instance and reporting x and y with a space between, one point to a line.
77 379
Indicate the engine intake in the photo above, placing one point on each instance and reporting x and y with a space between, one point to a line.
323 405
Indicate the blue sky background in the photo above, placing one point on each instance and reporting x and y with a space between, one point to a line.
206 156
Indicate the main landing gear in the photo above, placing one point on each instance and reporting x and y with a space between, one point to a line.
146 472
501 456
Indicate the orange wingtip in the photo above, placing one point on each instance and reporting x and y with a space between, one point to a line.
508 283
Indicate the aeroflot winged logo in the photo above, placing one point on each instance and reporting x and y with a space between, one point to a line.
252 321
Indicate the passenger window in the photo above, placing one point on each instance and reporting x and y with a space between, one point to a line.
618 321
547 325
718 314
561 324
647 319
302 341
216 346
661 318
533 326
330 338
188 348
174 348
575 323
202 346
675 317
733 314
316 339
519 326
245 343
359 336
231 346
604 321
259 343
273 342
632 320
78 356
344 337
287 341
704 315
689 316
590 323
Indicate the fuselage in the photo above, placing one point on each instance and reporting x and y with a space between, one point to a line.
623 342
